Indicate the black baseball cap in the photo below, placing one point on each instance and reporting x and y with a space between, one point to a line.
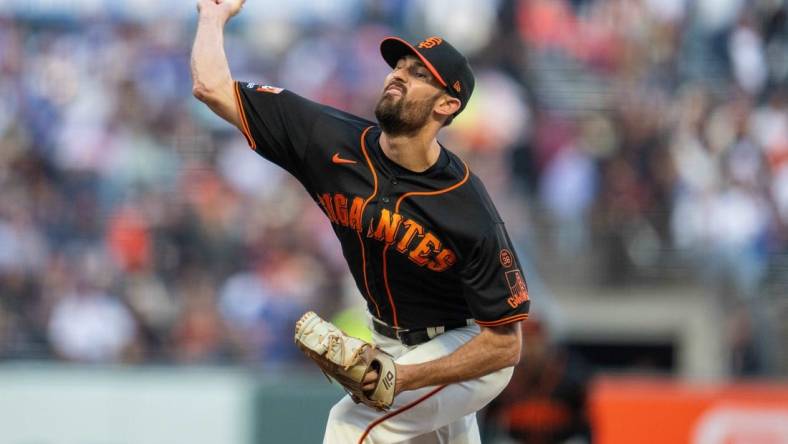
446 64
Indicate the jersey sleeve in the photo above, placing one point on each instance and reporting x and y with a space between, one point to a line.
495 287
277 123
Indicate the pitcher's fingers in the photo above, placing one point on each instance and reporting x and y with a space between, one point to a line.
370 380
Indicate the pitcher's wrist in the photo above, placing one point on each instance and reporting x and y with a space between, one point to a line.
213 16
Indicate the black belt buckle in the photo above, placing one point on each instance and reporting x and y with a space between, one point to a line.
416 337
401 334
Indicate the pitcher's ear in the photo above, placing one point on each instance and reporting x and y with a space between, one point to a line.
447 105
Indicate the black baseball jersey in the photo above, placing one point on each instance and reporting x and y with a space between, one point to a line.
425 249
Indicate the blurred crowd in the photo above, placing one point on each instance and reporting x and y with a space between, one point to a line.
137 227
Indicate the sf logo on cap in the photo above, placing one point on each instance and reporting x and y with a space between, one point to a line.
431 42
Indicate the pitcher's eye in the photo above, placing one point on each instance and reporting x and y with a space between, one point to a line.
419 73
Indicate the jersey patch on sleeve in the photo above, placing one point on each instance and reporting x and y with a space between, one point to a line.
517 288
269 89
506 258
264 88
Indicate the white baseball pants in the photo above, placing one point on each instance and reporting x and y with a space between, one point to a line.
431 415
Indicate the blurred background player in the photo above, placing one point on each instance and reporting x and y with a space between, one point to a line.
546 401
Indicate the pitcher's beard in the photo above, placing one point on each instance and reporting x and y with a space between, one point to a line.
397 118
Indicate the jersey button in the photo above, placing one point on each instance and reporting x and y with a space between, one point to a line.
385 199
394 181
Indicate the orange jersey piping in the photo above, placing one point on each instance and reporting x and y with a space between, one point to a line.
433 193
396 210
386 284
244 124
397 412
503 321
363 207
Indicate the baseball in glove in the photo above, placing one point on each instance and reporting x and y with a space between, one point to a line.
347 359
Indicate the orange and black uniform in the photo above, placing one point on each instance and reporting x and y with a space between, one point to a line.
426 249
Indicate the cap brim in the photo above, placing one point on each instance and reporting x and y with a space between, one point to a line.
394 48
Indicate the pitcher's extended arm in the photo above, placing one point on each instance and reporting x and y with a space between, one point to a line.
212 82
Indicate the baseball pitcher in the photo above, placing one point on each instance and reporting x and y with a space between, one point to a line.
422 238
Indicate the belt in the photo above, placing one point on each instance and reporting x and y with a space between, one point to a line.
415 336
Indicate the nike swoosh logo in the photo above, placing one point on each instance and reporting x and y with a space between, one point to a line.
338 160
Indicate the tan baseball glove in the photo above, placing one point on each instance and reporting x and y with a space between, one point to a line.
347 359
